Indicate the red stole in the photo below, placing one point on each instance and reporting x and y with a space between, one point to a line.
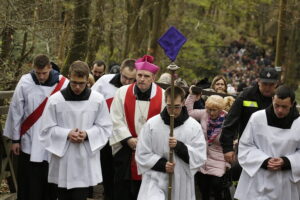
129 108
37 113
108 102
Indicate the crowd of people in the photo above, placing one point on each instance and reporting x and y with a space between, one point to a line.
73 133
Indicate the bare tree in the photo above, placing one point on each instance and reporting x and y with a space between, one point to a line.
96 36
79 43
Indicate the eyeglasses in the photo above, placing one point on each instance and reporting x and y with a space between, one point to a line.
175 106
74 83
127 78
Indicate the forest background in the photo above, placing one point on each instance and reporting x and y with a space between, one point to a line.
112 30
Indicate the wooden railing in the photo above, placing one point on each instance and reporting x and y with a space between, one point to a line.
7 166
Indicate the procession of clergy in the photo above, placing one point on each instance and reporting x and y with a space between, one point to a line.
59 126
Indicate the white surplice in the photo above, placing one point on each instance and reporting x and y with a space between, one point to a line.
153 144
259 142
74 165
27 97
104 87
120 127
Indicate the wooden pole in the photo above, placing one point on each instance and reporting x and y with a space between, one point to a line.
172 69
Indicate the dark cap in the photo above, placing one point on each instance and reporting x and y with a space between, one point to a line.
268 75
114 69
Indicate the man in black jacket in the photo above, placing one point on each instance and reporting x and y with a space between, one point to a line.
249 101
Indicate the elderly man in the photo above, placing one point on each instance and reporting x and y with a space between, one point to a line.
23 126
269 151
107 85
249 101
132 106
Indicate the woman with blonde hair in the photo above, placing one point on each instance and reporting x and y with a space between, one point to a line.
228 101
212 174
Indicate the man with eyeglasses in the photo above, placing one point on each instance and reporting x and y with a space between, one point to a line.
153 150
75 126
23 126
132 106
107 85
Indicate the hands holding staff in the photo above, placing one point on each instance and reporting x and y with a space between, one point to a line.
170 166
172 142
77 136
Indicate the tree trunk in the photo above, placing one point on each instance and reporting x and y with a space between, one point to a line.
293 49
58 22
6 46
97 32
280 33
127 31
79 41
23 55
111 31
65 35
159 15
138 24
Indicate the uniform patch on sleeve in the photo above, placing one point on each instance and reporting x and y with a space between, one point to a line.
250 104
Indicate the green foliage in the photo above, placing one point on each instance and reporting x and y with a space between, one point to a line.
208 26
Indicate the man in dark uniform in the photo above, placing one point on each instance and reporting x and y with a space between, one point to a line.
249 101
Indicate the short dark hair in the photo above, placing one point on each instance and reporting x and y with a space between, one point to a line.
99 63
130 63
178 91
283 92
41 61
80 69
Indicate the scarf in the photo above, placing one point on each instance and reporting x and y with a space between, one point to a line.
214 127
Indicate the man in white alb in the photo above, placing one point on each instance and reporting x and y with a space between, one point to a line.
269 151
152 152
76 125
107 85
23 126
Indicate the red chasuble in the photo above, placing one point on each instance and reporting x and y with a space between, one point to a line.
129 107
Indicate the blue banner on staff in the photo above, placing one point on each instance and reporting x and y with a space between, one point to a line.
171 42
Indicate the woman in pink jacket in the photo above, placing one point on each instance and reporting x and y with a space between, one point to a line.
210 177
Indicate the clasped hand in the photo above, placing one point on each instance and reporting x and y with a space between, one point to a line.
275 164
77 136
